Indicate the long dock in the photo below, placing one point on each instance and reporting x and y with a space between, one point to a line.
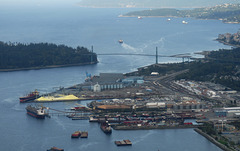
78 114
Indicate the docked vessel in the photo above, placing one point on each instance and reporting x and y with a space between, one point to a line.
37 112
123 143
76 134
30 97
84 134
106 128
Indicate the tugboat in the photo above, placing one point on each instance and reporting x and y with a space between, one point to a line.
30 97
37 112
55 149
76 134
106 128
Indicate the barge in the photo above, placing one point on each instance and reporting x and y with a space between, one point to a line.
55 149
84 134
123 143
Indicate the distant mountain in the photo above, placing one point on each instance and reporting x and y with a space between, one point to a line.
153 3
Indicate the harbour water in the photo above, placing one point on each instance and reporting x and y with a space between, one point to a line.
66 23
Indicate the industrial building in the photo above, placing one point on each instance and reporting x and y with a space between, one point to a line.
228 112
112 81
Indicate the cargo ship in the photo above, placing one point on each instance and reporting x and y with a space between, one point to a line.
106 128
123 143
76 134
37 112
30 97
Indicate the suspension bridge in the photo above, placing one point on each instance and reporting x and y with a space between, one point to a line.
183 56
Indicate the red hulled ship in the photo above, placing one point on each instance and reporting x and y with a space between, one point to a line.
30 97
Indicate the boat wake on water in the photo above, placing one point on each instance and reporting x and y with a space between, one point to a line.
86 145
59 122
128 47
145 46
8 100
142 138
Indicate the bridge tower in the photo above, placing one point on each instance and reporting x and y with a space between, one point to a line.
92 54
156 55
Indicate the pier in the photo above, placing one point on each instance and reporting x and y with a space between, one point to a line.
71 114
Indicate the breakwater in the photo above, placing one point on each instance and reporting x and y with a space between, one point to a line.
211 139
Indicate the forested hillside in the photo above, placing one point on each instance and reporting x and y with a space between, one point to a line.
18 55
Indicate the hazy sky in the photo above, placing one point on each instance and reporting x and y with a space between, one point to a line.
102 3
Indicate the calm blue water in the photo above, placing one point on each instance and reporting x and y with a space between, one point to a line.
66 23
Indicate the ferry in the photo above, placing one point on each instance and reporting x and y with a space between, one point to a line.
30 97
37 112
120 41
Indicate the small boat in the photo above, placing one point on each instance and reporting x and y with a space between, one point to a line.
168 19
37 112
123 143
120 41
30 97
76 134
106 128
84 134
184 22
139 17
93 119
55 149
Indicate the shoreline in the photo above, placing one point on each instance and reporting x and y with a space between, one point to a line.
226 22
153 127
48 67
211 139
226 43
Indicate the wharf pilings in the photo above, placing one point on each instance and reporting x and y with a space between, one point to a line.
211 139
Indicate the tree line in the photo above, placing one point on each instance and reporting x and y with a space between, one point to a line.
221 67
19 55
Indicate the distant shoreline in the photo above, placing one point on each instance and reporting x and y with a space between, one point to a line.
47 67
176 17
226 43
